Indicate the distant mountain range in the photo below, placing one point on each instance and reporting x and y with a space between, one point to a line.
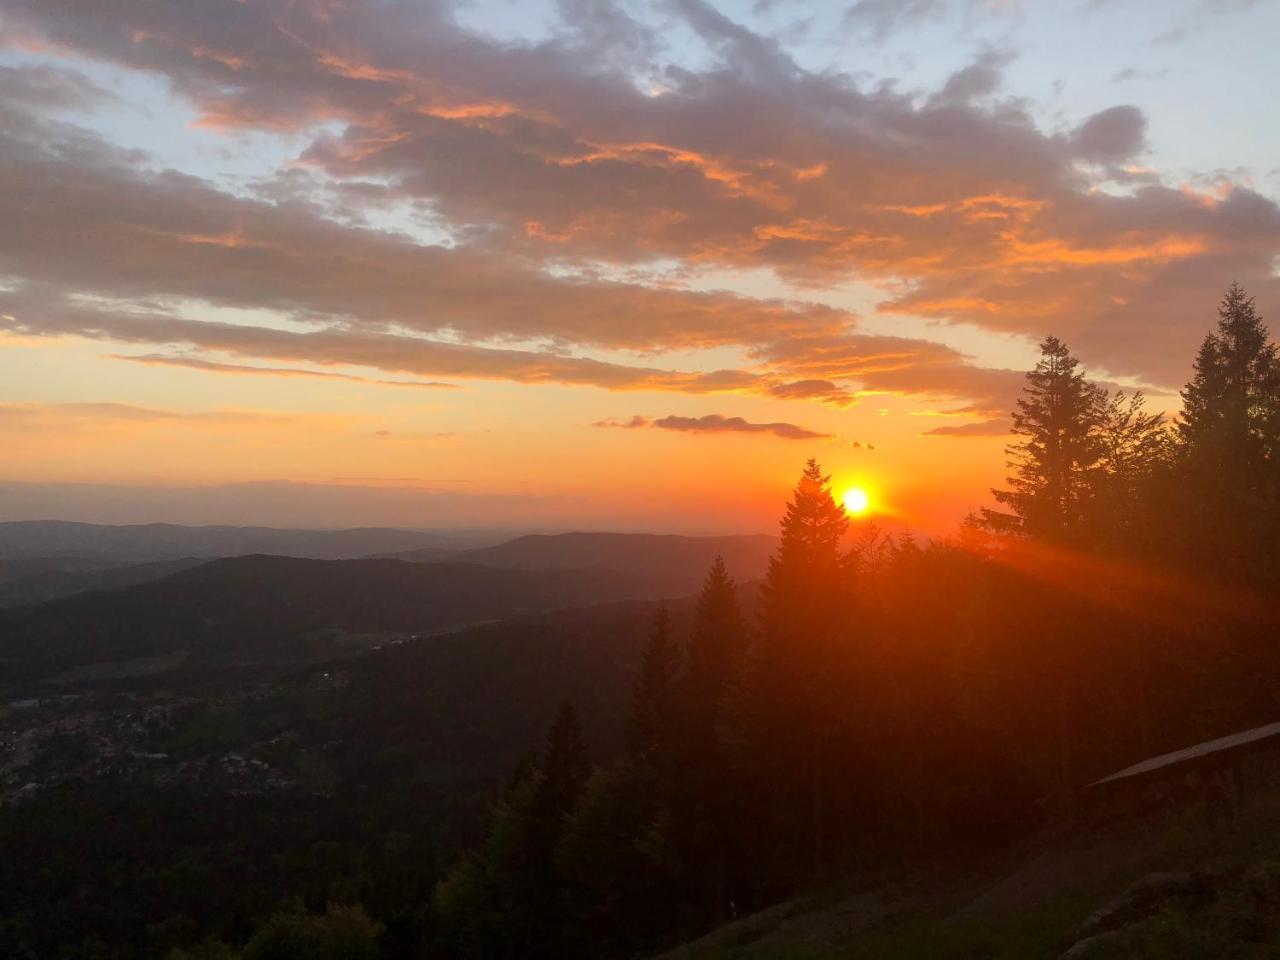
45 560
668 556
166 541
265 609
280 609
37 579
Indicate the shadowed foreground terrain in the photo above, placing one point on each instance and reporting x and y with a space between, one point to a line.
1190 884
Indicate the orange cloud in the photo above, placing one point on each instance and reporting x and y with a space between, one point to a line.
717 423
211 366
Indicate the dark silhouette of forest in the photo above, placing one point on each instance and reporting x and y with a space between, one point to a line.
893 697
885 701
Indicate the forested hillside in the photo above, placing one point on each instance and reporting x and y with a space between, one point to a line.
273 609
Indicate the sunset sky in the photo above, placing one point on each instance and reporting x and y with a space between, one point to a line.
595 264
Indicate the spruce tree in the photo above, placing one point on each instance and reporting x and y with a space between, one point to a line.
654 695
1057 420
796 700
804 575
518 859
564 771
1230 423
716 647
707 815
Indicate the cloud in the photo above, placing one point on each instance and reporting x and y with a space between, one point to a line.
631 423
716 423
880 18
45 87
359 347
40 417
979 79
585 153
354 296
1133 73
813 389
979 428
1112 135
173 235
213 366
887 364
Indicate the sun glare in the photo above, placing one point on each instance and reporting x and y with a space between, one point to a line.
856 501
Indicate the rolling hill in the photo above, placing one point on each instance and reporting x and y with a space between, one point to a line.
262 609
166 541
46 560
669 558
40 579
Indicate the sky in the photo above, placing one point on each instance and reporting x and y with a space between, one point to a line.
594 264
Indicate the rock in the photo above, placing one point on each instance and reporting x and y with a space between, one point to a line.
1143 898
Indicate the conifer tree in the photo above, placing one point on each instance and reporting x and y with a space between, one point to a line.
1057 420
1228 454
708 812
803 578
623 880
795 696
654 696
1230 423
565 767
506 901
716 647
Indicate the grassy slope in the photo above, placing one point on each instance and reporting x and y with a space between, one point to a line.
1032 906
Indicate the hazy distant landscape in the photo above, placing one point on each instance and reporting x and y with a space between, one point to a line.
370 690
261 608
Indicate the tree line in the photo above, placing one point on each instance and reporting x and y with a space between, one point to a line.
880 700
891 697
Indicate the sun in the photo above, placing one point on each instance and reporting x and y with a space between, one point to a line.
856 500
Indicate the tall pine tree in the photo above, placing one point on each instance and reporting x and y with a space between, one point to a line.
654 695
1057 421
708 816
795 702
716 648
1230 423
506 901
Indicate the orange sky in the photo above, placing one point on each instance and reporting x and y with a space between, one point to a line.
309 263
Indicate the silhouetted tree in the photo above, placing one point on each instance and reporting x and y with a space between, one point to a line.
565 768
1228 420
1133 447
708 812
654 699
622 874
796 693
1057 420
1229 454
716 648
1075 445
506 901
